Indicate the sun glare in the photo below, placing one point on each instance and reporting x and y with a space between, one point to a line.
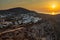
53 13
53 6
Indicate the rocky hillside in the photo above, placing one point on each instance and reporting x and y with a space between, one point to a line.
22 24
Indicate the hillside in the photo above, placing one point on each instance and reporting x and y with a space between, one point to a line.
22 24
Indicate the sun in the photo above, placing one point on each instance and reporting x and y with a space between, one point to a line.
53 6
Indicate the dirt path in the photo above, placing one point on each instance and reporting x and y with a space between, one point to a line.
11 30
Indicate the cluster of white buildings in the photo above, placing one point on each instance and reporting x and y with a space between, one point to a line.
22 19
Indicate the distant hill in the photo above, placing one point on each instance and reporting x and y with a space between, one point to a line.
18 10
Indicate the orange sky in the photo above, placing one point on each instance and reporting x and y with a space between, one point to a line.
37 5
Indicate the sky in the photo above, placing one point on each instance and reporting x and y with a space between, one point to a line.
37 5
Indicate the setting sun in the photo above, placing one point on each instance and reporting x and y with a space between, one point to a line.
53 6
